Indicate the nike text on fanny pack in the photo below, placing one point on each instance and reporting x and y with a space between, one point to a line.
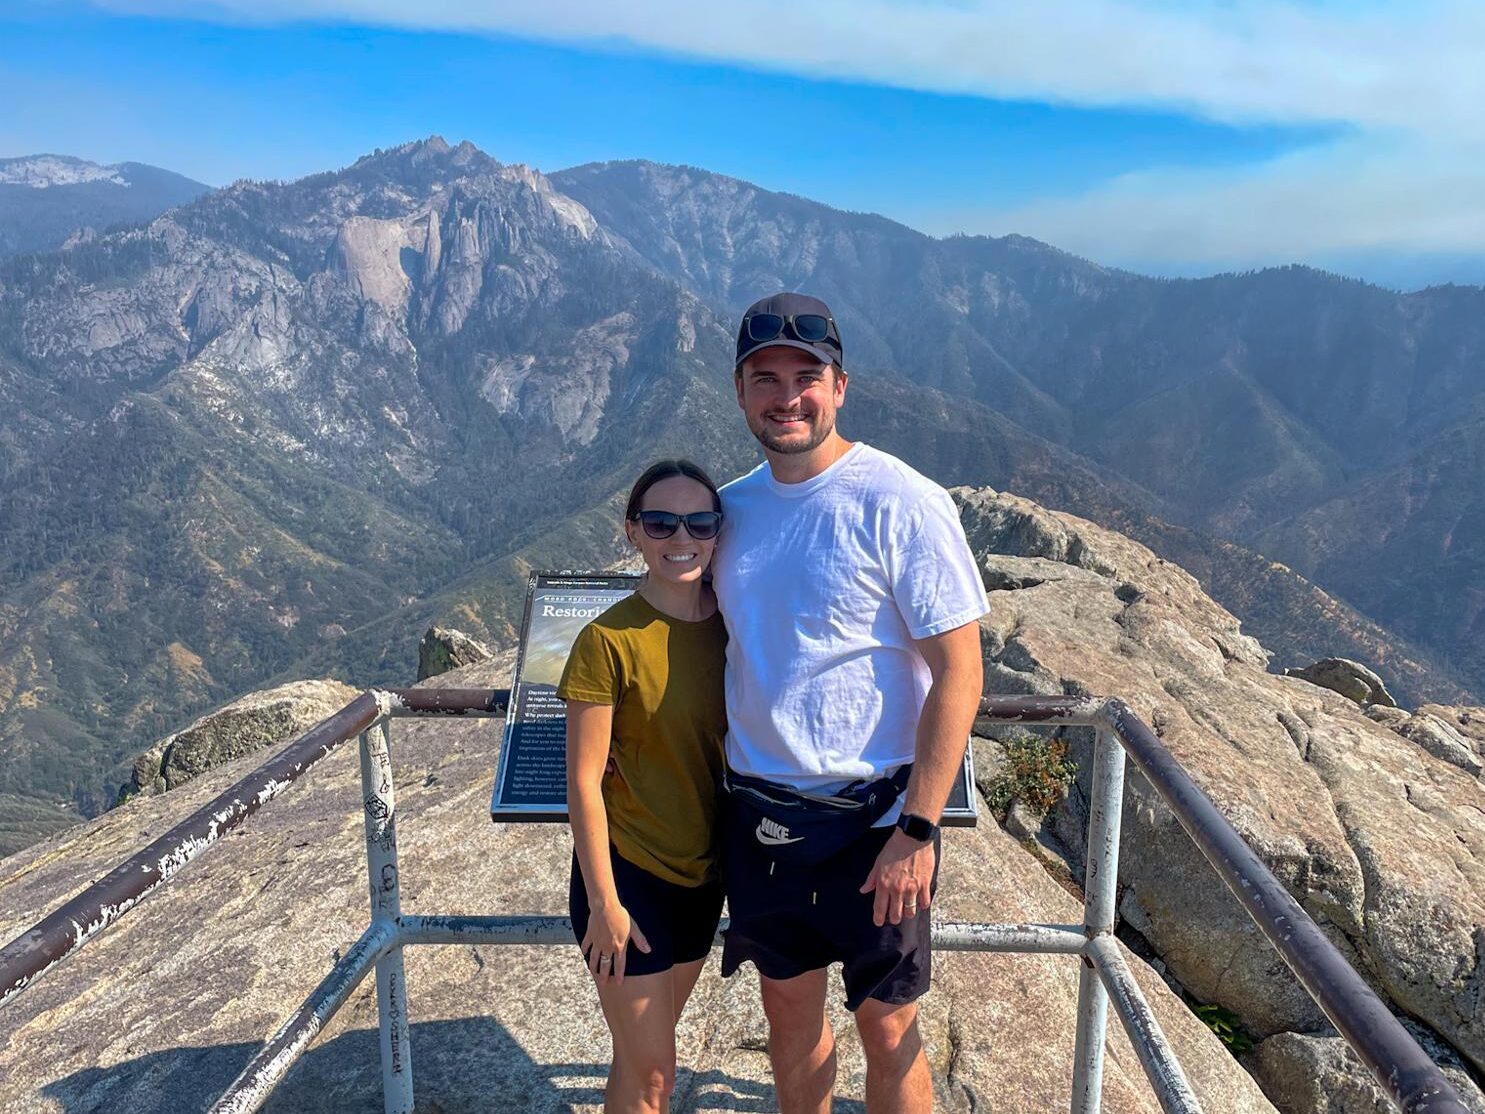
771 833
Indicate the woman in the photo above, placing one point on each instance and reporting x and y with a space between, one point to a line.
645 725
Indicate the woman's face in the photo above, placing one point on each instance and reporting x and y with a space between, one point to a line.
679 558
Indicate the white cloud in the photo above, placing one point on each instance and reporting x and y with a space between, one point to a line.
1405 78
1360 199
1398 66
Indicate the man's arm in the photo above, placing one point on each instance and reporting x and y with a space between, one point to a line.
903 872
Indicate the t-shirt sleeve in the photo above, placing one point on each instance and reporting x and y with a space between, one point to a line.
934 578
592 670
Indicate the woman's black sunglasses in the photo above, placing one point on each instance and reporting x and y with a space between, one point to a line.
701 525
811 328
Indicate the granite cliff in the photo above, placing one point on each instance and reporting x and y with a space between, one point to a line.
1379 836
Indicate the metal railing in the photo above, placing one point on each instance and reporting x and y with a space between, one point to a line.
1400 1066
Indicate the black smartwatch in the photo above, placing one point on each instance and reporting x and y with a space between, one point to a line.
919 828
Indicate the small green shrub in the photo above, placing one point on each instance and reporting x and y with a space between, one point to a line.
1036 772
1226 1025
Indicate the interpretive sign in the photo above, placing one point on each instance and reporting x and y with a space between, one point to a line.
531 780
531 777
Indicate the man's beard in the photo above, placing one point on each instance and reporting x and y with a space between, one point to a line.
820 429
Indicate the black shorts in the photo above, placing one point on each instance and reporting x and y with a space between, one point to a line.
791 920
680 922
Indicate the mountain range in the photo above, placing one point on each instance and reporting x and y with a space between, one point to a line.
281 427
45 200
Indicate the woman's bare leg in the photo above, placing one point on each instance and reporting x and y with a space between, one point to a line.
686 975
641 1015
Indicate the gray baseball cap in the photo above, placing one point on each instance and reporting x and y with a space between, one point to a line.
792 321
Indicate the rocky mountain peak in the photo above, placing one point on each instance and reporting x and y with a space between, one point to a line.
429 345
425 159
44 171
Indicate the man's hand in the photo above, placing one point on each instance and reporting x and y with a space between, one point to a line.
902 877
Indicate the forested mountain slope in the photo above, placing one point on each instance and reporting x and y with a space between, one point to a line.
45 200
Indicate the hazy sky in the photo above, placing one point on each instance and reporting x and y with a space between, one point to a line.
1175 137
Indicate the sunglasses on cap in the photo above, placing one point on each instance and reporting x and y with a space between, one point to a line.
701 525
811 328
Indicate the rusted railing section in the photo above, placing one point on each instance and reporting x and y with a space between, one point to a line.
1395 1059
84 916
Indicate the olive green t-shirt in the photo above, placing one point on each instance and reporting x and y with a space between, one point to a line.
663 677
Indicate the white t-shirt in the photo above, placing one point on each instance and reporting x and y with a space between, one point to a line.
823 586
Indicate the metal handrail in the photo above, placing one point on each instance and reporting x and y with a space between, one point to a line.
1395 1059
67 928
1389 1051
1402 1068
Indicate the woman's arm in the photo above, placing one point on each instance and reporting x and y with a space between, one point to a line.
589 729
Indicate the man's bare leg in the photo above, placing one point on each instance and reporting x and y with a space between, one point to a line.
800 1042
897 1076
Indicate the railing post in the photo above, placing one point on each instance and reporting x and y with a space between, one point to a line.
1099 894
386 907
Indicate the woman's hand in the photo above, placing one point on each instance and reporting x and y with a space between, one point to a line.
605 944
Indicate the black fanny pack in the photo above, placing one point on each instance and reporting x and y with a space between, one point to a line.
798 828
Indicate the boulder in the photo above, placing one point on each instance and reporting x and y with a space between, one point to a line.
1454 734
1350 678
1387 714
1380 841
442 649
1316 1073
1467 721
130 1022
248 724
1440 739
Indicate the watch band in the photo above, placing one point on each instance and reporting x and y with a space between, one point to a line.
915 827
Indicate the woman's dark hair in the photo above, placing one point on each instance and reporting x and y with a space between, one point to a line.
663 470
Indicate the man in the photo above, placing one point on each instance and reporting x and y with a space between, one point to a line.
851 599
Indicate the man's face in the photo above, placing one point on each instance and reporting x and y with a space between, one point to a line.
789 398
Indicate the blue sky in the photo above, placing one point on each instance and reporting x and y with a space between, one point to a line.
1165 142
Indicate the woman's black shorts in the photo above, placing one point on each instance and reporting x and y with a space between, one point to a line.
680 922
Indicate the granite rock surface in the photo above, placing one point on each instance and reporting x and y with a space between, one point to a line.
1381 841
1317 1074
160 1012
